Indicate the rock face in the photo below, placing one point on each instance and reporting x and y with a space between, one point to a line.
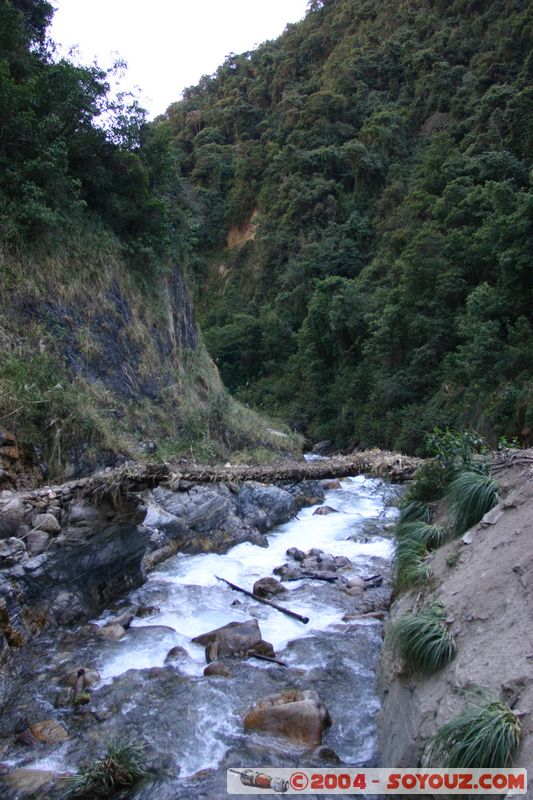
219 516
299 715
71 574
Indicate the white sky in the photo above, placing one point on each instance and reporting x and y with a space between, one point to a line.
168 44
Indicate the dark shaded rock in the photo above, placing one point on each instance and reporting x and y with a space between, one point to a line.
268 587
297 555
176 654
230 640
147 611
217 669
298 715
322 448
323 511
11 551
331 484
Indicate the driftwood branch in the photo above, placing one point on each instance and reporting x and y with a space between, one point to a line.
253 654
286 611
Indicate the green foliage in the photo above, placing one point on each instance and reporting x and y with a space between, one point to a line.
455 450
386 151
422 640
484 736
432 536
121 767
471 494
414 511
430 483
410 567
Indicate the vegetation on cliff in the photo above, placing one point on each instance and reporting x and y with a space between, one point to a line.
363 218
99 350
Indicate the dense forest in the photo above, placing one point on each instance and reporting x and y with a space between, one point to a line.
364 218
352 203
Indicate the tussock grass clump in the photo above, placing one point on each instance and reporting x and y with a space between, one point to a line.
414 511
484 736
471 494
410 567
422 640
122 765
432 536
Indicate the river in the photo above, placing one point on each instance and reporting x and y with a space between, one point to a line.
194 723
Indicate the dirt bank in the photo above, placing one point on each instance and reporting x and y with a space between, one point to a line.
485 580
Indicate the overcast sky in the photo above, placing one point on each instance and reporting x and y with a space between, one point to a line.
168 44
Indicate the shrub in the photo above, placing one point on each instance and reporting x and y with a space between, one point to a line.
410 567
484 736
423 640
471 494
432 479
122 765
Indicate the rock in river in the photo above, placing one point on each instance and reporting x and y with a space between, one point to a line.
299 715
268 587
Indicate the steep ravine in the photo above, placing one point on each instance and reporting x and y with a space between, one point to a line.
485 581
191 724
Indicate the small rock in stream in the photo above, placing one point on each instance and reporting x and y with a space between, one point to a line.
323 511
217 669
268 587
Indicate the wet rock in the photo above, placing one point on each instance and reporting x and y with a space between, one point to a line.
268 587
64 698
124 619
315 552
90 676
299 715
176 654
46 522
332 484
29 782
37 542
171 525
295 553
49 732
342 562
11 551
355 587
217 669
234 639
323 511
288 572
147 611
112 632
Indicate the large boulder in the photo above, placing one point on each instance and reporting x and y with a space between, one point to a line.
232 640
299 715
46 522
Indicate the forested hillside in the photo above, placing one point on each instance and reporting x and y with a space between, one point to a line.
363 218
100 354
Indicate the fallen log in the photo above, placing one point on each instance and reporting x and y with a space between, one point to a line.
266 602
253 654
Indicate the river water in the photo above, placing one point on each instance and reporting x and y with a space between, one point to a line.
193 722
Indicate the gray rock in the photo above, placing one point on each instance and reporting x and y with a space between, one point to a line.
46 522
11 551
233 639
161 520
37 542
297 555
268 587
83 515
323 511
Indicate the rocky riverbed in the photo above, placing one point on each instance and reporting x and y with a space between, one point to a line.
135 671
